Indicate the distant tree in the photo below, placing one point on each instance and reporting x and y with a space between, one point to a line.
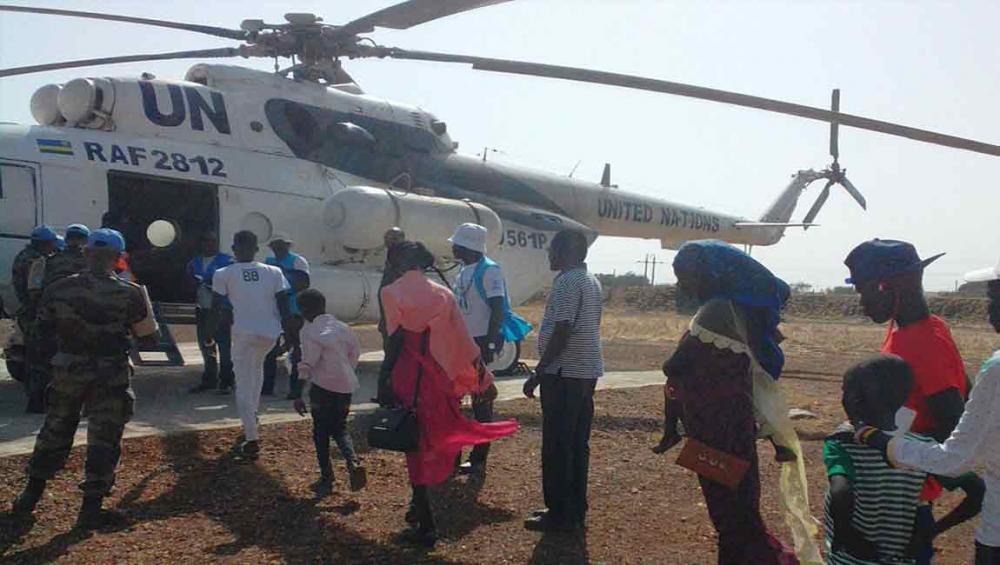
841 290
619 281
801 288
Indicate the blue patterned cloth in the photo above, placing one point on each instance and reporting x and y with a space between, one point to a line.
723 271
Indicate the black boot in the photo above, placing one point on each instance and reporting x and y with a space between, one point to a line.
25 503
423 532
92 516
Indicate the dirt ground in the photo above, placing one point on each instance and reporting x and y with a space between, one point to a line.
189 501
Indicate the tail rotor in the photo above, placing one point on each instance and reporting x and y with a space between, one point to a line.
834 174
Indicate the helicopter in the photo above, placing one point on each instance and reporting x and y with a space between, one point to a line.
306 152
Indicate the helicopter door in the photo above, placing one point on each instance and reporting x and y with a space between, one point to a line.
163 221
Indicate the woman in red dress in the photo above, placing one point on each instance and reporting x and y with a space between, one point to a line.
430 343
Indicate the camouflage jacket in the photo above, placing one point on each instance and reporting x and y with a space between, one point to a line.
63 264
19 272
91 315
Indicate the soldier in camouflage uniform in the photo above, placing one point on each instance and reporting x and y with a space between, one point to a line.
43 243
92 316
71 260
63 263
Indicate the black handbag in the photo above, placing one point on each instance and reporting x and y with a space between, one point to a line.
397 429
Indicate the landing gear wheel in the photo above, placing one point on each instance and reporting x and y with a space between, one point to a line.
506 360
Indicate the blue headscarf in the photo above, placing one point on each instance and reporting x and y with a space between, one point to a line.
733 275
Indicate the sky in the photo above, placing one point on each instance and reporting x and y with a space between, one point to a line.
926 64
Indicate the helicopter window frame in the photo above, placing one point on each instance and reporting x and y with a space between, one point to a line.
32 194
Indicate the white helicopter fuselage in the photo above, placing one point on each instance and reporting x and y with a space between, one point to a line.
232 148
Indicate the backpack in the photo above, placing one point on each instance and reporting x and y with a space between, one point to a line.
513 328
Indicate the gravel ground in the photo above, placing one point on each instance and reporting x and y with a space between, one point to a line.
189 501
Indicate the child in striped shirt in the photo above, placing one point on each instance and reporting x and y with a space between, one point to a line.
872 509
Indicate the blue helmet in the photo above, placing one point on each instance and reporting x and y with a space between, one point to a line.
44 233
106 237
77 230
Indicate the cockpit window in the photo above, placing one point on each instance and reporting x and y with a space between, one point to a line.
353 143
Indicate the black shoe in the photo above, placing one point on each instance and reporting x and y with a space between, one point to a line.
411 515
267 393
200 388
359 478
547 523
248 450
224 389
423 537
92 516
470 468
324 485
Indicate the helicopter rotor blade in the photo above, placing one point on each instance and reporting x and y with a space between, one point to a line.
854 192
691 91
206 53
197 28
409 14
834 130
820 201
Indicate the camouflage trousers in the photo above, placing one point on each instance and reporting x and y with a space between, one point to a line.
38 352
102 388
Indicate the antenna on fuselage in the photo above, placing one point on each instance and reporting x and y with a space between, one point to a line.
606 177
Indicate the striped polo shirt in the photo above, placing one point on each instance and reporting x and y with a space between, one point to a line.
576 298
885 499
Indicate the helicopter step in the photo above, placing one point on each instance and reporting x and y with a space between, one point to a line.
165 313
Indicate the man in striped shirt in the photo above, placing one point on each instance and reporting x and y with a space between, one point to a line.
569 346
871 507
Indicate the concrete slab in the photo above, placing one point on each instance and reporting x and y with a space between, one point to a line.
164 406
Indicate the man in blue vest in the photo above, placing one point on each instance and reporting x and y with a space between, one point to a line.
215 349
296 270
481 291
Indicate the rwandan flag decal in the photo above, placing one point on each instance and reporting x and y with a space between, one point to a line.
57 146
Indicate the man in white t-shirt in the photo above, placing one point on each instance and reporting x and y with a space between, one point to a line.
259 297
480 290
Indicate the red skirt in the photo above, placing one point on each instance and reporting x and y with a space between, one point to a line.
444 431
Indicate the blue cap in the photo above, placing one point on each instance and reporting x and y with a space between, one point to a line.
106 237
44 233
77 230
879 259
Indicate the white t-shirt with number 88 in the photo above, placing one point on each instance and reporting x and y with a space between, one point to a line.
250 288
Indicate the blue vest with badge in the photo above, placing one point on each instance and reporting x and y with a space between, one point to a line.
287 265
513 328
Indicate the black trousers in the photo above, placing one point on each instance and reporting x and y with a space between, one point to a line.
218 359
567 414
987 555
329 413
482 411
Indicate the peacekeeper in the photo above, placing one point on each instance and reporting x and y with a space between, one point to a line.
68 260
43 243
92 316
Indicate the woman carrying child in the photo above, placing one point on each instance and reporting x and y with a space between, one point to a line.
724 374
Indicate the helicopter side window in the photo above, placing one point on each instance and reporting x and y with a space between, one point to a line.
18 209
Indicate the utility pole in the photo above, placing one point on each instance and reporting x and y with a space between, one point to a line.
654 261
649 263
645 266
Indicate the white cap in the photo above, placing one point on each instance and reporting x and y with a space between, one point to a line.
987 274
279 237
470 236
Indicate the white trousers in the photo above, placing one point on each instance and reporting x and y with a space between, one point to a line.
248 354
